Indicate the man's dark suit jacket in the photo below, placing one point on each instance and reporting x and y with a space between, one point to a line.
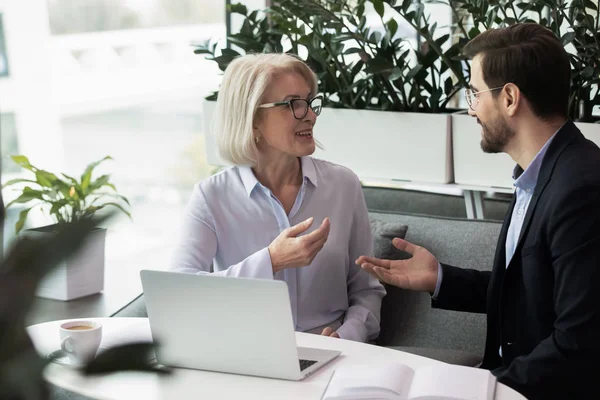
544 308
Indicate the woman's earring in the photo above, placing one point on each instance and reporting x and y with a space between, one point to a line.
256 139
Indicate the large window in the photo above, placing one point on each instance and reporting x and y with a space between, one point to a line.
123 81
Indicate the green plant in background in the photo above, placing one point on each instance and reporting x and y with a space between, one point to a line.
576 22
69 199
361 67
357 66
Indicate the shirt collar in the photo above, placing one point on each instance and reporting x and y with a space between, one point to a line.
250 182
528 178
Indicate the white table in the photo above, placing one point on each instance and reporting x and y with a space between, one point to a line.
186 383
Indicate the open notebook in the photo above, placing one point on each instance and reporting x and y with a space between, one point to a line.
396 381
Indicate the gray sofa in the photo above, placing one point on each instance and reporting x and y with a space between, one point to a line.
407 319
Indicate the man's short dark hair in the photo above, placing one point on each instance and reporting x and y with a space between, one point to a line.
530 56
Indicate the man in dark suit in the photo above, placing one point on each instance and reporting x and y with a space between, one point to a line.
542 297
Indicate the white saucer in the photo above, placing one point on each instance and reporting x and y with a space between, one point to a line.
60 357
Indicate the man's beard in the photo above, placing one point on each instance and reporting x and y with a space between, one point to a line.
496 135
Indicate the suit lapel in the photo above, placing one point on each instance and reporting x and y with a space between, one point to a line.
500 257
563 137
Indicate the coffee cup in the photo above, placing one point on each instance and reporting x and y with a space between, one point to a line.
80 340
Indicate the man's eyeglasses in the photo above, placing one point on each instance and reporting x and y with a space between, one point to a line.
299 107
473 97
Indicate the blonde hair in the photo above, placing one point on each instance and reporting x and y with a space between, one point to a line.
245 81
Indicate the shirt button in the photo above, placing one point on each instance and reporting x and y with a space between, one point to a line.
520 211
528 190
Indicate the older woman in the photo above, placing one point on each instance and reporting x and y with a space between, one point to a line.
279 213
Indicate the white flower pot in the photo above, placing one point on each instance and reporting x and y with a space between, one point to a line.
80 275
474 167
590 131
379 145
471 165
385 145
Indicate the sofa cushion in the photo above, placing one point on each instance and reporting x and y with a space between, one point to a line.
383 233
407 318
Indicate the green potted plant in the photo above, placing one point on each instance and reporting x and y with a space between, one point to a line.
68 200
576 23
364 73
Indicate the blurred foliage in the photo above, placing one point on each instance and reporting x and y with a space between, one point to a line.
24 265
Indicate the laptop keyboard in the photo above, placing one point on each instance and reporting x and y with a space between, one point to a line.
306 363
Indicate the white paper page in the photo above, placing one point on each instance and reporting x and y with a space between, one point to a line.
132 332
452 382
370 381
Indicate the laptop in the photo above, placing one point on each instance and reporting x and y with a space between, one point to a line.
234 325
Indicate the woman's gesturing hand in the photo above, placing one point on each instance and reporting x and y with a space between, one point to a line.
289 250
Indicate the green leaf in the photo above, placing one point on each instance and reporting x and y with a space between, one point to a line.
448 85
87 175
379 7
112 204
27 195
591 5
23 162
98 183
360 10
378 64
440 41
396 74
246 44
375 37
413 72
58 205
71 179
352 50
473 32
100 195
342 37
588 72
21 221
13 181
45 178
110 185
568 38
392 26
238 8
230 53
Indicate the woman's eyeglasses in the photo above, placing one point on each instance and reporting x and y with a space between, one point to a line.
299 107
